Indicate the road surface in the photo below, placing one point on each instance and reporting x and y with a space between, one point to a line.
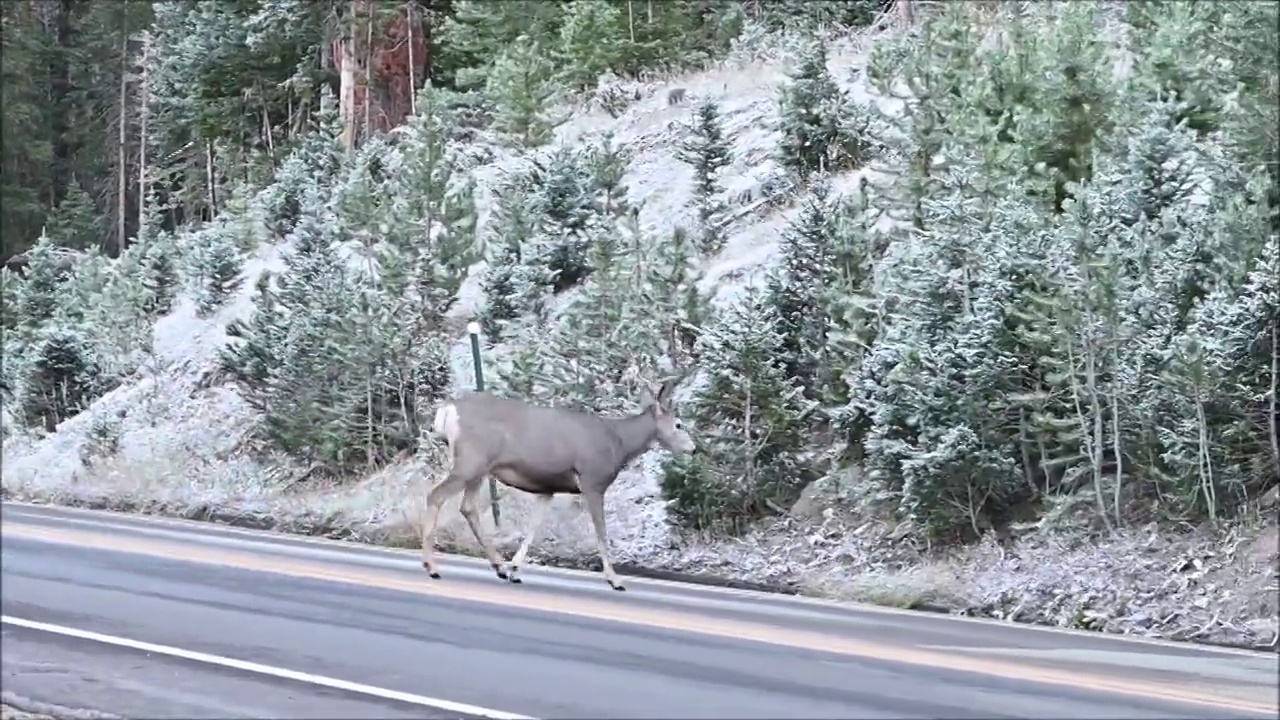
143 617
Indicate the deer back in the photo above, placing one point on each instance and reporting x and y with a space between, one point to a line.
534 440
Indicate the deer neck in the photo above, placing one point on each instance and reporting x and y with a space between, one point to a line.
634 435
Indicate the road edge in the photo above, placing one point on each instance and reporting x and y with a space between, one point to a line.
35 707
332 531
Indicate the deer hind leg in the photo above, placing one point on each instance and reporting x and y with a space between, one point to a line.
447 488
542 504
595 508
472 514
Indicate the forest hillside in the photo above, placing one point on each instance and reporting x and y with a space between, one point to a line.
977 305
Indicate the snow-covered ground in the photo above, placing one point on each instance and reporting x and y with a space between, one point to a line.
182 436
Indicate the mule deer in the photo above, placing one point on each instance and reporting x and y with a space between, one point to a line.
543 451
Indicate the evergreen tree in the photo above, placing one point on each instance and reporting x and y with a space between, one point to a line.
474 34
160 276
159 264
221 267
63 380
606 164
754 420
592 41
521 86
822 129
707 150
811 15
37 296
563 197
251 361
848 300
515 280
798 286
501 293
74 223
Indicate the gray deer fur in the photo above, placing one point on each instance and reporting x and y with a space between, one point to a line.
543 451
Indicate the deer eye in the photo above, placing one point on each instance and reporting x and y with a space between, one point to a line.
679 425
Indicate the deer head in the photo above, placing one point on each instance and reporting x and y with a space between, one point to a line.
671 432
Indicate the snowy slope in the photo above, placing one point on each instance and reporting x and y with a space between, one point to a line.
182 436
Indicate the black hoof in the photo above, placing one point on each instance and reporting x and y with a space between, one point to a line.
431 573
619 588
502 574
515 580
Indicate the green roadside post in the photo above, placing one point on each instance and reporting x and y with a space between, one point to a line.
473 329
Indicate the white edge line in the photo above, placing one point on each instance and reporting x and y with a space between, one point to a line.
334 683
105 518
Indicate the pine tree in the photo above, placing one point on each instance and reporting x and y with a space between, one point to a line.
707 150
522 88
315 162
516 278
848 299
562 195
160 276
811 15
159 264
63 380
251 361
606 164
74 223
754 420
476 32
822 129
798 286
221 266
39 289
592 41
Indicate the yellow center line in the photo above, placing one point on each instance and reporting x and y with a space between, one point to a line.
620 612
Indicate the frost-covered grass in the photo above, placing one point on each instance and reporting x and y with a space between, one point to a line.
184 439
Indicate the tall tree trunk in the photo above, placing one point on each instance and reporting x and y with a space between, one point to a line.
409 18
143 106
211 178
368 74
60 87
907 11
122 156
347 77
1274 422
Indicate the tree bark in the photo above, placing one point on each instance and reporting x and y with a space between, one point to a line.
1275 402
60 84
143 106
347 78
122 156
413 79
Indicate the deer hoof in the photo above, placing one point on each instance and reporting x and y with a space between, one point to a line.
430 572
513 575
617 586
502 574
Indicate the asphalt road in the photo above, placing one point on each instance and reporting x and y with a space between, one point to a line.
160 618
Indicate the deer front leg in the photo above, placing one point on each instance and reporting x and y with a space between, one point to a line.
595 508
472 514
542 504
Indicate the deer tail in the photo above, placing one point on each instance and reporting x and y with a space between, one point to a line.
446 423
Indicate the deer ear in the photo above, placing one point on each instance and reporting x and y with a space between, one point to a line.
647 401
